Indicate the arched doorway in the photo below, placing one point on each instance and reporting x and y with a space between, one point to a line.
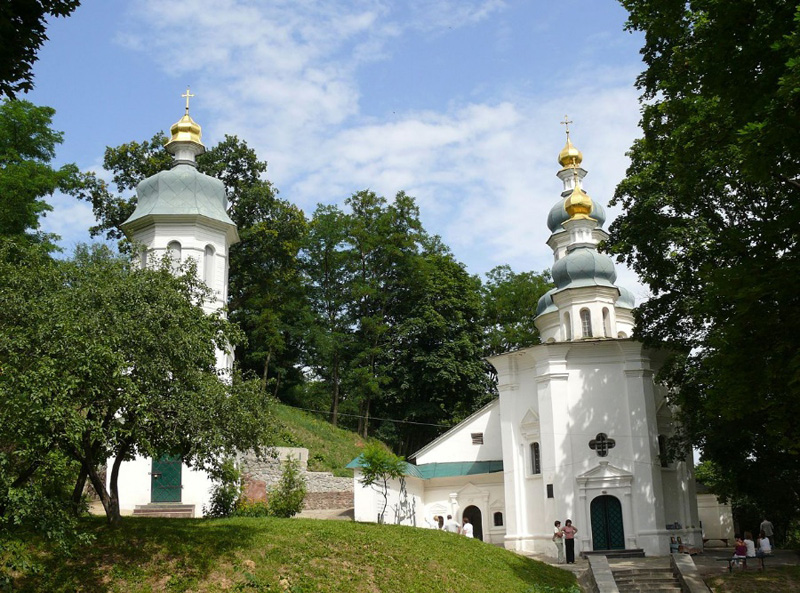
473 513
607 529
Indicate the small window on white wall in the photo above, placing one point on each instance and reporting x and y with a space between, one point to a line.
567 326
606 323
536 459
586 323
208 266
174 251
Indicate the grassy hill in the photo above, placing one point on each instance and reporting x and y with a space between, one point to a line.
289 556
329 448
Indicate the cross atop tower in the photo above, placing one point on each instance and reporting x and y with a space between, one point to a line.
566 123
188 95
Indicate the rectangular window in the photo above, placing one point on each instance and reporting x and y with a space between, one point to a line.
550 491
536 462
477 438
498 519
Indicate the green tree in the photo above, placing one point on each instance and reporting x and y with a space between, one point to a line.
329 333
509 308
22 29
378 466
109 361
287 498
710 222
27 146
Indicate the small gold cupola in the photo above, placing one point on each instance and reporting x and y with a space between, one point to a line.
186 133
569 155
578 204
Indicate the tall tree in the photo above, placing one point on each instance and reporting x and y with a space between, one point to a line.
329 334
711 223
22 28
509 308
108 361
27 146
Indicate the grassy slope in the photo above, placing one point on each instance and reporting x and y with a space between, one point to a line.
290 555
776 579
329 448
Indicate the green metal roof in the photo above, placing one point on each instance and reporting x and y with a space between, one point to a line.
449 469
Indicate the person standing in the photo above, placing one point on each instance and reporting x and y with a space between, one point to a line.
452 525
569 540
768 529
466 528
558 540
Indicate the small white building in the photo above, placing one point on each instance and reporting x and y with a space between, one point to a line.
579 427
184 213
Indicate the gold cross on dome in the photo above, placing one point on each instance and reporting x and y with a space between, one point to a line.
187 95
566 123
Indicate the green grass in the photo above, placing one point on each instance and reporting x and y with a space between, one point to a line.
288 555
329 448
777 579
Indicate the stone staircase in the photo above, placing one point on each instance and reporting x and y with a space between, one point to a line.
171 510
647 579
611 554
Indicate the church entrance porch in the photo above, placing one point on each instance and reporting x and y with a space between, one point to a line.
607 527
473 513
165 479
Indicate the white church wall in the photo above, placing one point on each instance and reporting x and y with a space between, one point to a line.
133 483
457 444
716 519
404 503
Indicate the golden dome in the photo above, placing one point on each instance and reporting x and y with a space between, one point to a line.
578 204
569 155
185 130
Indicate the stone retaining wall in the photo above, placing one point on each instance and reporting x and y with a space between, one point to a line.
324 490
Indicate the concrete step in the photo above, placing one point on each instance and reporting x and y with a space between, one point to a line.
610 554
165 509
649 579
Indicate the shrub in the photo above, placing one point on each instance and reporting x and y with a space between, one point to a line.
251 508
286 500
226 490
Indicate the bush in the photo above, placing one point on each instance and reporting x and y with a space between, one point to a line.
287 499
226 490
251 508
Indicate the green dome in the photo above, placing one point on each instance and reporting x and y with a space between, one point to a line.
546 304
584 267
182 190
626 299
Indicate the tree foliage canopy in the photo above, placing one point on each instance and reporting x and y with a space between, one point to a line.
22 29
711 223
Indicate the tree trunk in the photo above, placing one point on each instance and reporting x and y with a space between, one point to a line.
265 374
77 492
365 417
335 395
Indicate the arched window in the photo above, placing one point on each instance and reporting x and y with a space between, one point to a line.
208 266
498 519
586 323
662 450
536 459
567 326
174 251
606 323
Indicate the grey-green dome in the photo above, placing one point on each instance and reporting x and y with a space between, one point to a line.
626 299
558 216
584 267
182 190
546 304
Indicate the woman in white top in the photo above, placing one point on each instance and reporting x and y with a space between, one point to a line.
558 540
466 529
749 544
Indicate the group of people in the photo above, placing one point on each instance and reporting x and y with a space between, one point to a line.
452 526
564 539
747 548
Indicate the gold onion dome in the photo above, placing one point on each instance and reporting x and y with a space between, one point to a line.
578 204
569 155
185 130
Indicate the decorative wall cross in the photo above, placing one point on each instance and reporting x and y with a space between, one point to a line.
187 95
601 443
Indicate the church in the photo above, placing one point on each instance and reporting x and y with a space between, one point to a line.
578 430
183 213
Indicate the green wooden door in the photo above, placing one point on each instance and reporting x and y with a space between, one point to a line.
165 480
607 529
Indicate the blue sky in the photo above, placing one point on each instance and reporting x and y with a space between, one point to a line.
456 102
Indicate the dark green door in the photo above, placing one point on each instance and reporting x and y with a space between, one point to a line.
607 530
165 480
